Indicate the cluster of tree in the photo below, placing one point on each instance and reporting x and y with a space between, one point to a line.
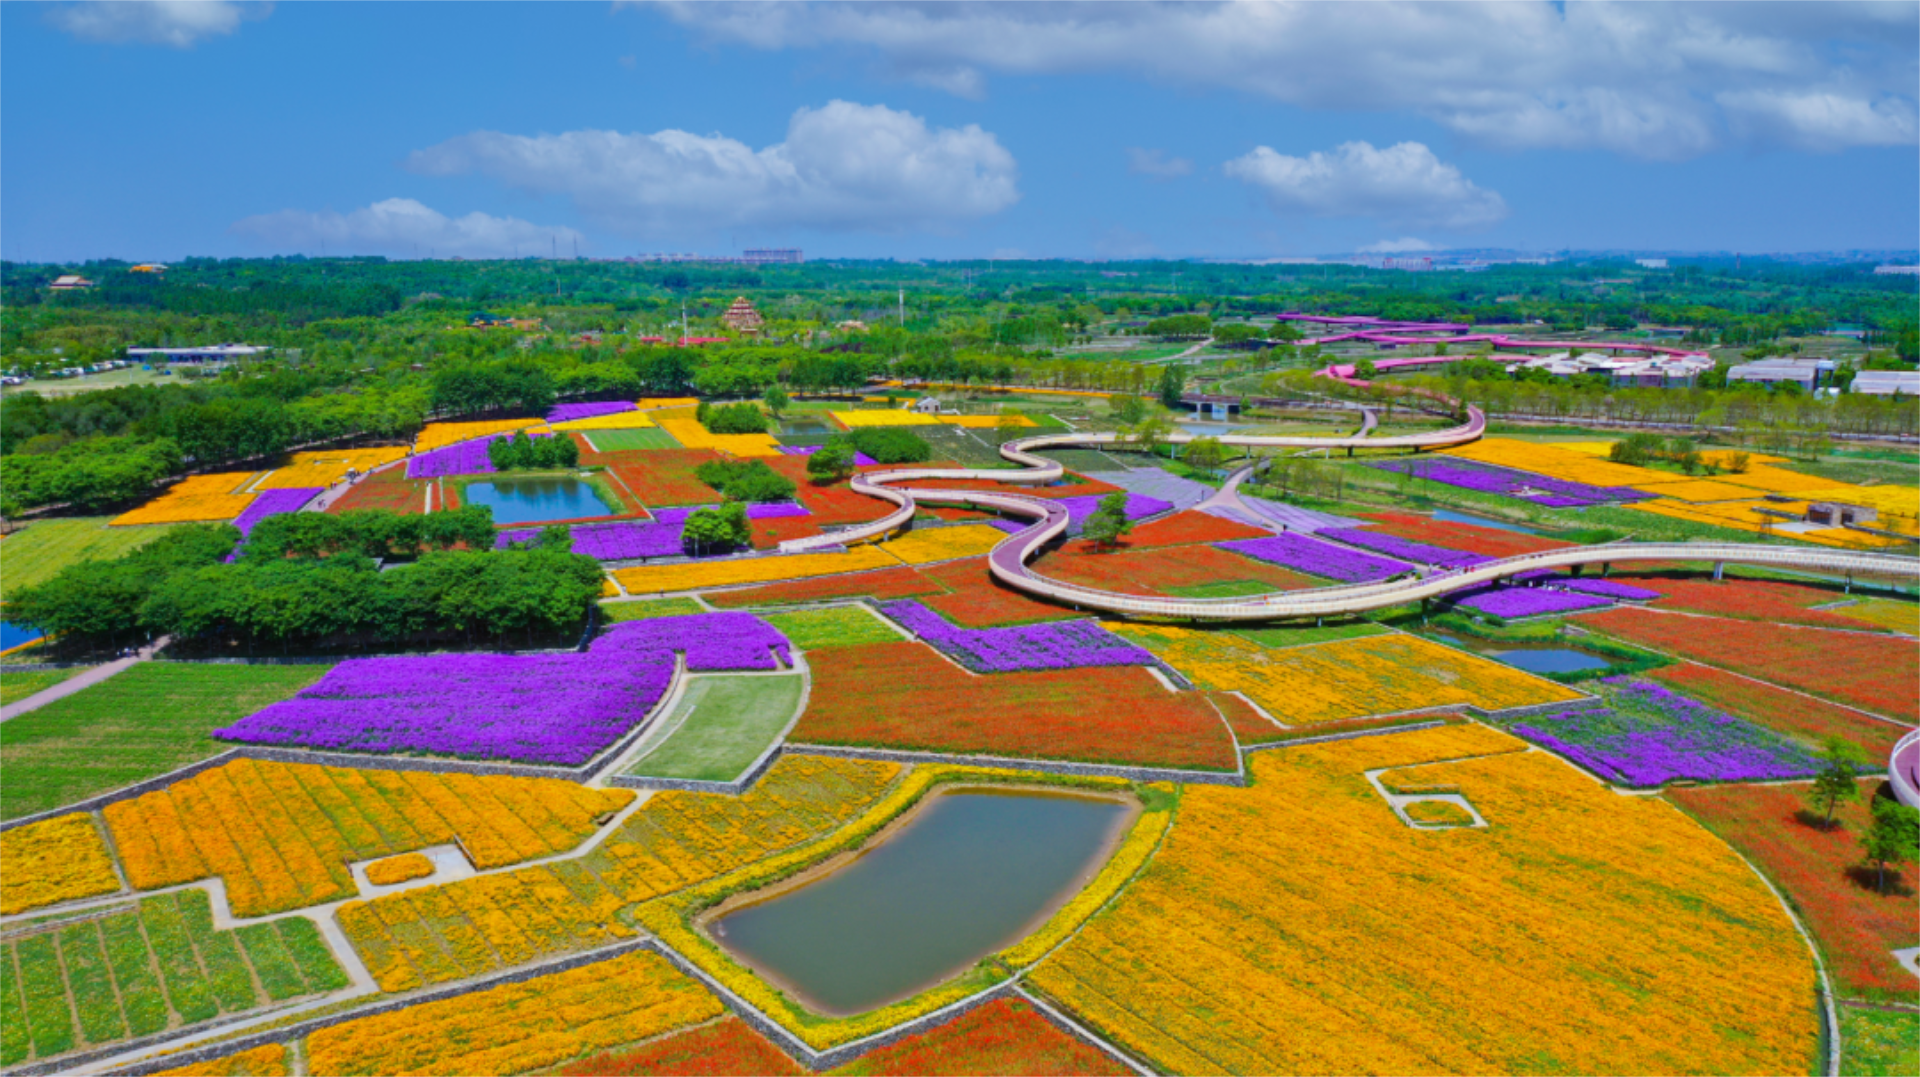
890 444
745 480
741 418
101 603
477 388
89 475
521 452
716 530
369 533
1893 835
1180 326
1108 522
1639 449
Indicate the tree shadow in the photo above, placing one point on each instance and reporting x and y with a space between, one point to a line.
1867 877
1809 818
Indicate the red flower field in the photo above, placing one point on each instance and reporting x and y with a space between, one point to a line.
727 1048
904 695
1750 600
390 490
889 583
770 533
1152 571
976 600
1822 873
1005 1036
1180 529
1809 720
1486 541
665 476
1876 673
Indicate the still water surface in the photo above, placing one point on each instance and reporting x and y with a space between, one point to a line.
971 873
1453 517
522 501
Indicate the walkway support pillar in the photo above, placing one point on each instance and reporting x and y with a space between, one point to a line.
1719 570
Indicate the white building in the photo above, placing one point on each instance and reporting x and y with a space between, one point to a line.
1650 263
1809 373
1629 370
1887 382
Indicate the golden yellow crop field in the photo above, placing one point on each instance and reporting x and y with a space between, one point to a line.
1550 460
195 499
923 546
1683 488
619 420
440 435
882 417
1355 678
326 467
59 859
690 434
1298 926
695 575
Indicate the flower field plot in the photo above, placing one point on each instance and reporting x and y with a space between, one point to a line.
646 609
1298 926
1892 614
551 709
925 545
1158 571
1005 1036
665 477
1354 678
894 582
975 599
269 1061
1077 644
1487 541
156 966
1808 721
904 696
624 438
622 541
196 499
328 466
520 1027
720 726
625 410
1776 601
830 503
1879 674
38 553
1302 554
153 718
1521 485
1644 734
1138 506
674 840
1514 603
1554 462
390 490
56 860
272 503
732 571
1401 549
282 834
726 1048
846 626
1180 529
1823 874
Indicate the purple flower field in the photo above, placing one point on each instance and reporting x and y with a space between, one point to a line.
1590 585
272 503
1403 549
563 413
555 709
1487 479
756 510
1079 508
1514 602
611 542
1303 554
860 459
464 458
1645 735
1053 645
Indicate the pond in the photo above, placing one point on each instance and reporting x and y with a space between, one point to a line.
804 424
1480 521
970 872
1544 658
526 501
13 635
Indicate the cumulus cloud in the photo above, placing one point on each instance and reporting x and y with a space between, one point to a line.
404 227
1402 184
1156 164
1653 80
1403 245
843 167
178 23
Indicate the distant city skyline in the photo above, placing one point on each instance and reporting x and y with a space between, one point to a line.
1230 132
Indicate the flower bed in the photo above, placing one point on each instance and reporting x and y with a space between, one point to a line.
1003 1036
1079 508
395 870
1053 645
726 1048
1809 721
1522 485
463 458
975 599
1490 541
566 413
758 510
729 571
612 542
1303 554
550 709
1180 529
272 503
896 582
925 545
666 477
45 863
1510 603
1161 571
1754 600
1401 549
1647 735
860 459
440 435
1594 585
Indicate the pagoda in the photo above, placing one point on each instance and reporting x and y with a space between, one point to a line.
741 317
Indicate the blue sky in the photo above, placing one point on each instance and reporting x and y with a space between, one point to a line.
160 130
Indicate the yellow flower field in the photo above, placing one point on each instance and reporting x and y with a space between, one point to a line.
1356 678
268 1061
987 422
696 575
619 420
439 933
926 545
654 403
61 859
282 834
520 1027
1298 926
399 869
882 417
689 433
195 499
1551 460
1682 488
1740 516
440 435
326 467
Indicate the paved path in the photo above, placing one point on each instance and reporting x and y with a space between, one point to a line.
80 681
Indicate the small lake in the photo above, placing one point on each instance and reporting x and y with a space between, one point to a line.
525 501
803 424
971 872
13 635
1480 521
1544 658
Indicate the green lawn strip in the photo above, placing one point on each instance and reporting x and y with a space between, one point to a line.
628 438
47 546
278 974
15 687
646 609
1284 636
1221 589
1879 1043
227 972
728 722
92 985
133 970
49 1018
187 988
153 718
846 626
309 951
15 1044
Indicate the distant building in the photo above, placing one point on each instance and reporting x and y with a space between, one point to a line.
851 325
1886 382
759 256
72 282
1835 514
1808 373
1650 263
1889 270
741 317
1627 371
203 354
148 267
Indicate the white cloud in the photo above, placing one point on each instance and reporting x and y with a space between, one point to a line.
178 23
1403 184
1156 164
404 227
1403 245
1653 80
843 167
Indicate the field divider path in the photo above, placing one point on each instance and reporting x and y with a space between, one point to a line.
80 681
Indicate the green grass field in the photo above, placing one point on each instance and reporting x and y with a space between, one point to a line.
811 630
1276 636
47 546
1222 589
646 609
1879 1043
639 437
149 720
15 687
724 725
